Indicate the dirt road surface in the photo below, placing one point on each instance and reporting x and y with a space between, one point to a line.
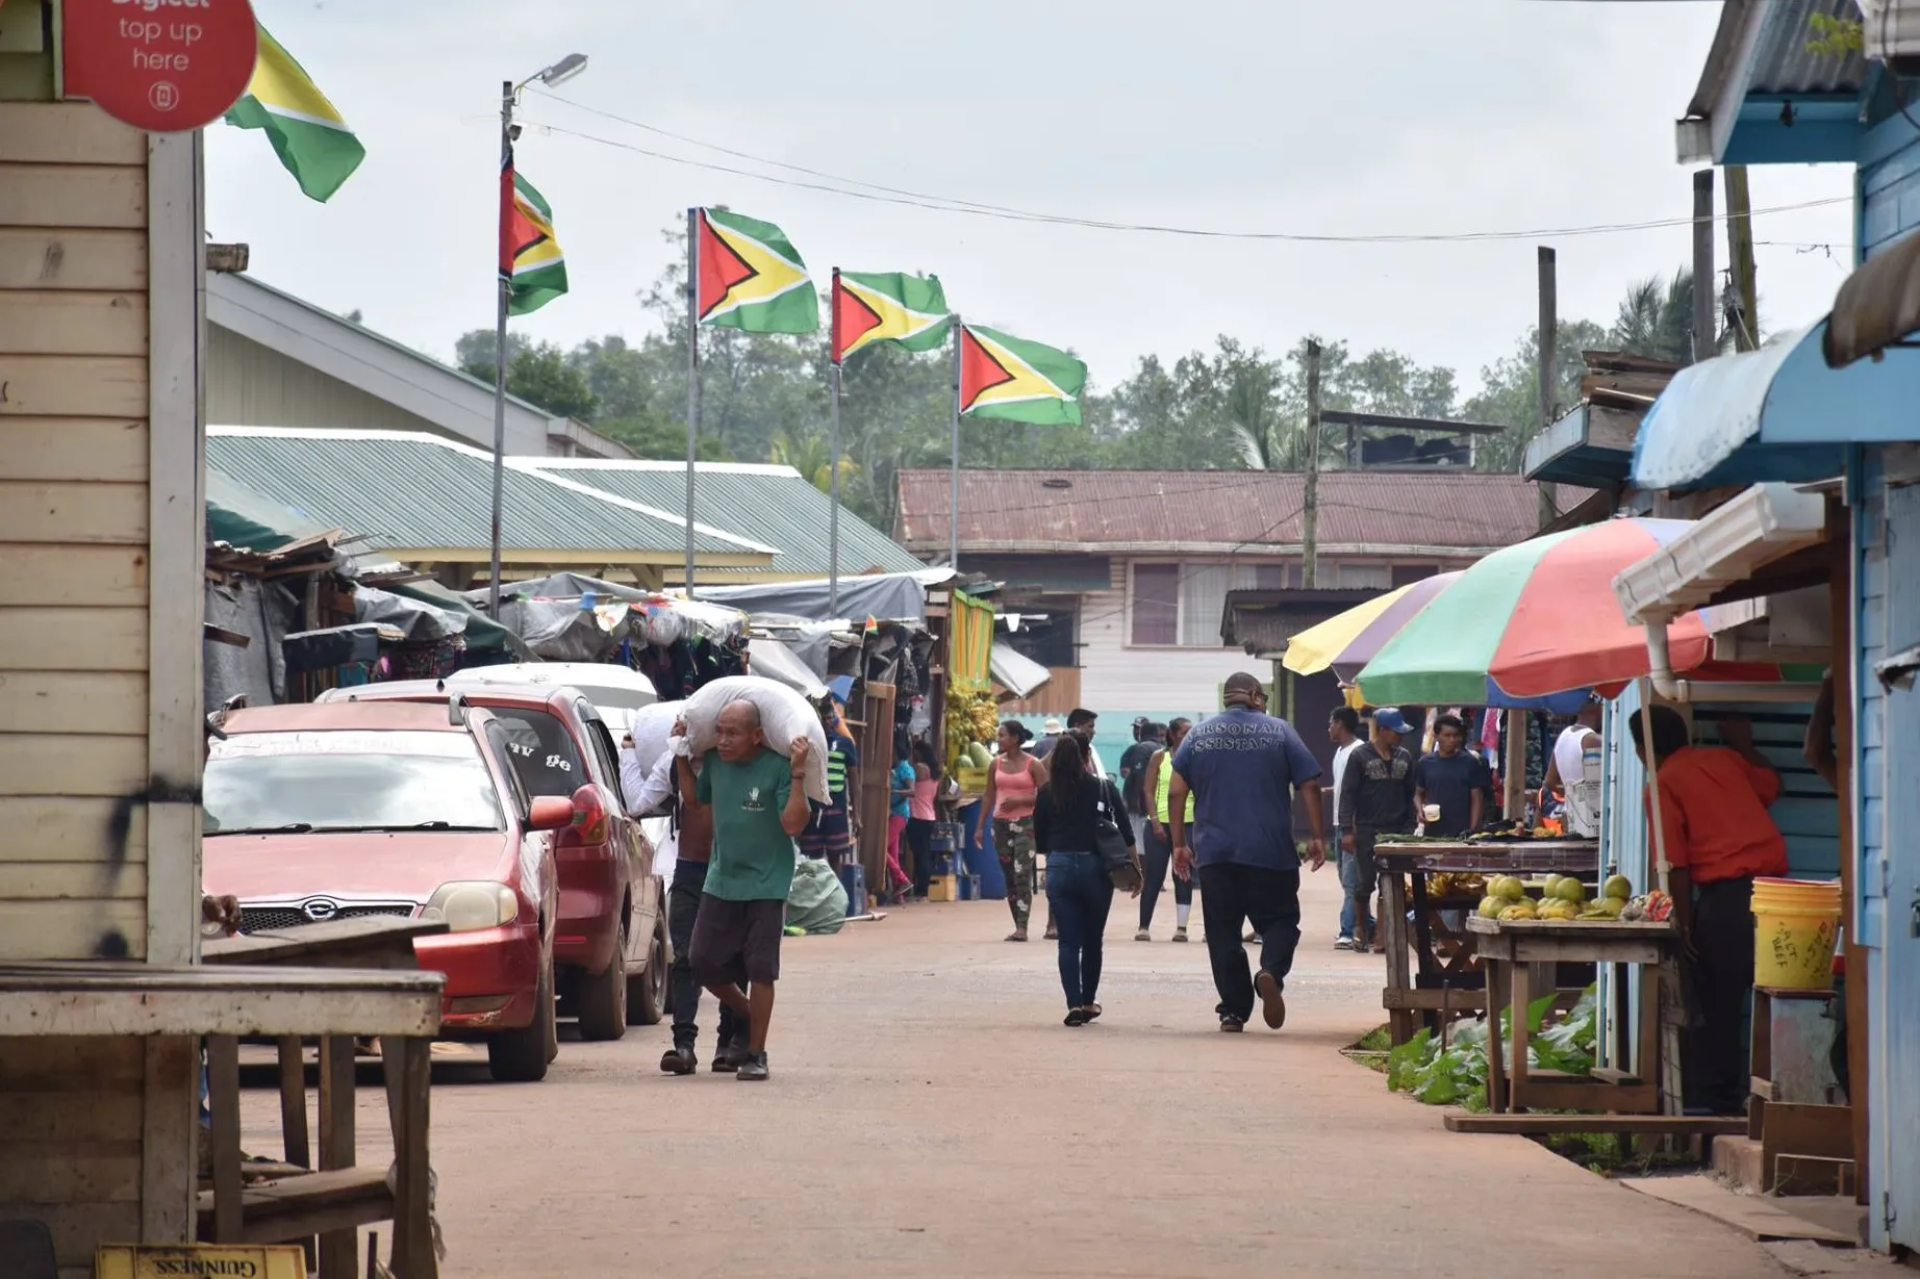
929 1116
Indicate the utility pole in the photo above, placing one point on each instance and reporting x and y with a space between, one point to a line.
1746 297
1549 370
1310 514
1704 328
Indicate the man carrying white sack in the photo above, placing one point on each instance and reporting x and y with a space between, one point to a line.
757 802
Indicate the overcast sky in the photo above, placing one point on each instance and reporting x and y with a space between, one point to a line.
1388 116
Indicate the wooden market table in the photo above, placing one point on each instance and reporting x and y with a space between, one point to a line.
1432 969
331 1198
1510 953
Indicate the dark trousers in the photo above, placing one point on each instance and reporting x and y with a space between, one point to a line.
1079 897
683 907
1717 1075
920 841
1233 895
1157 854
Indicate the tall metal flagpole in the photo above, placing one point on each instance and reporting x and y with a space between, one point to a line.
833 444
693 376
953 498
503 289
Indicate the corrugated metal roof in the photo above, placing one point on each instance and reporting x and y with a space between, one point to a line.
410 490
774 502
1780 61
1217 511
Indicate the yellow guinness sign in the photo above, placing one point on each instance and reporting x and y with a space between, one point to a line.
200 1261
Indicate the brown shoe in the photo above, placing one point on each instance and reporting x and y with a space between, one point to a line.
1273 1005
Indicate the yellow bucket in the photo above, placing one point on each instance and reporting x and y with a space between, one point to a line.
1794 926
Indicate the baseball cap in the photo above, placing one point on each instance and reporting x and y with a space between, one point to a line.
1392 720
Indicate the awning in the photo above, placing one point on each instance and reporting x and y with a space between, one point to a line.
1015 671
1776 414
1763 524
1878 305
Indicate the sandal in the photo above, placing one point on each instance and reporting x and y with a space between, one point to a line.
1076 1017
1092 1011
1018 934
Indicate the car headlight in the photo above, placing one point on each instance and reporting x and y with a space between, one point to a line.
466 906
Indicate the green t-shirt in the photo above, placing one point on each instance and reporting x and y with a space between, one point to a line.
752 852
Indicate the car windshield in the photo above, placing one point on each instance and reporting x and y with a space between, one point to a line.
348 780
541 750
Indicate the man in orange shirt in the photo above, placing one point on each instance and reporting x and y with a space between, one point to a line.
1713 808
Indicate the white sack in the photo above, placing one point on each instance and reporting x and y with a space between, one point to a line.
651 727
784 715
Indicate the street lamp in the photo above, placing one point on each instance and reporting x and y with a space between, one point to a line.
557 73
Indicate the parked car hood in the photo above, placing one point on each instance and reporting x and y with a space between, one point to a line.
368 865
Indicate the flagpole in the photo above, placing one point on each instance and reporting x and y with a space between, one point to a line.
503 288
953 498
833 445
693 377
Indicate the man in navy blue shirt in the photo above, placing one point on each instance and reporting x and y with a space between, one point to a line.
1242 767
1450 778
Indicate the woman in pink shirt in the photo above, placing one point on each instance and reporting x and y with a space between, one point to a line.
920 815
1013 783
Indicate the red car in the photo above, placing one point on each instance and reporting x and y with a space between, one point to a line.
611 946
393 808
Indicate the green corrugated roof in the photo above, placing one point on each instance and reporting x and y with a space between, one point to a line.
773 501
405 490
242 518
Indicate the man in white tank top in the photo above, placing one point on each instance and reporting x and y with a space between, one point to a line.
1568 771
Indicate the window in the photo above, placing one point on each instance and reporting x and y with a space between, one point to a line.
1365 577
1156 603
1182 604
348 781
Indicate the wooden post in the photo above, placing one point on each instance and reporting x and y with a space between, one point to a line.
293 1102
337 1259
1704 329
1549 372
1840 604
1515 791
1746 331
1310 515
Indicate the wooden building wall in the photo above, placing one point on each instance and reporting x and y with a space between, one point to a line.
100 545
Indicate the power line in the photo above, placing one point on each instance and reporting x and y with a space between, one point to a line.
850 188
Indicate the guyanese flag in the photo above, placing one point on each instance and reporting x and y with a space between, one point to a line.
750 278
530 259
869 307
1002 376
307 132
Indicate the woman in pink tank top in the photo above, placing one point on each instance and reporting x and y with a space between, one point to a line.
1013 783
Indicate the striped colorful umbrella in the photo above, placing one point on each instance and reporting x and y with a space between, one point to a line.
1347 641
1533 620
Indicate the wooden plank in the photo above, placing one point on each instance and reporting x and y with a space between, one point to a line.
293 1101
66 322
108 449
72 764
59 881
73 512
104 576
29 1118
81 929
70 1172
330 1204
73 385
73 639
65 829
337 1248
65 1063
80 1228
1752 1216
107 702
223 1093
73 195
167 1179
376 941
67 133
70 258
96 998
1540 1125
410 1079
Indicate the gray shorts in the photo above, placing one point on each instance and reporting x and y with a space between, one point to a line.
1358 875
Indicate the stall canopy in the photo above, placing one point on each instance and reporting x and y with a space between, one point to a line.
1014 671
772 659
1877 307
889 597
1776 414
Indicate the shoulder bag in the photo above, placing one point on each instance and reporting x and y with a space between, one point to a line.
1121 862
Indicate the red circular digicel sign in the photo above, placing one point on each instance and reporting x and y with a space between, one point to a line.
161 65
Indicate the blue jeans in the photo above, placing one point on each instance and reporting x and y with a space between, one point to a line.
1346 902
1079 895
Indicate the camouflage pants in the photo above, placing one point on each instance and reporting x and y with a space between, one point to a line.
1013 841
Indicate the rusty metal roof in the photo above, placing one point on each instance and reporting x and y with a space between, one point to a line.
1220 512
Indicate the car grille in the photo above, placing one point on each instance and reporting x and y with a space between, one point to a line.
255 919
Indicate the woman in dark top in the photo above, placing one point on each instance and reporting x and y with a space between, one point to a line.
1079 893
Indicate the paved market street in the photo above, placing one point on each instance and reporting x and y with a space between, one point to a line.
929 1116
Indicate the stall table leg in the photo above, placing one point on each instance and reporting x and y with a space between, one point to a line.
338 1259
1497 994
223 1097
408 1067
1393 936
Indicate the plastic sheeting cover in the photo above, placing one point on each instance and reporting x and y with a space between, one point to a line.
1015 671
773 659
890 597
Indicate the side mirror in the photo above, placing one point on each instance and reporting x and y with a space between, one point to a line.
550 812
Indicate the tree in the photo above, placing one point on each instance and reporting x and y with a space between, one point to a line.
542 373
1510 390
1656 320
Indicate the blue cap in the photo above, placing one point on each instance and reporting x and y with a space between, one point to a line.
1392 720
